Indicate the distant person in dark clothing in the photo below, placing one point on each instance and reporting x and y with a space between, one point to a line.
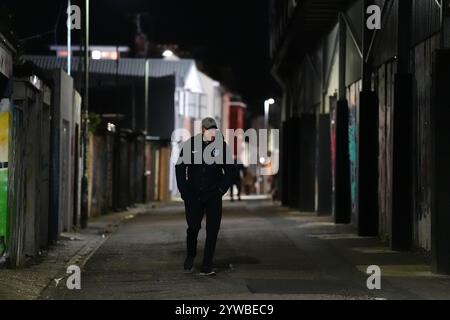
237 179
249 183
275 188
204 173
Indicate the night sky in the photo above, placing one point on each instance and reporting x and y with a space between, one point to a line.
228 38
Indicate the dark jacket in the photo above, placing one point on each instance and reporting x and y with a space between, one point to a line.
238 168
205 179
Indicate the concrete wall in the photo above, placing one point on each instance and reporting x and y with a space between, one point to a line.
76 158
61 208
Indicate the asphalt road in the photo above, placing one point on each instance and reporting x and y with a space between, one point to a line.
263 252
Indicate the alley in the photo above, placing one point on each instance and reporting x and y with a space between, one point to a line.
264 252
328 117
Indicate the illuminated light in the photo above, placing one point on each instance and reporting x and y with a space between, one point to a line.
36 82
271 101
104 55
262 160
114 55
167 54
111 127
96 55
62 53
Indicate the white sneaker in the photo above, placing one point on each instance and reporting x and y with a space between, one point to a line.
208 273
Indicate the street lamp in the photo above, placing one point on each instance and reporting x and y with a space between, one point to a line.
263 160
267 105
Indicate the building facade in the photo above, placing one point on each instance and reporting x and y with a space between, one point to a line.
368 107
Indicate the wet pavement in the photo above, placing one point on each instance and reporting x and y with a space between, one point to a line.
264 252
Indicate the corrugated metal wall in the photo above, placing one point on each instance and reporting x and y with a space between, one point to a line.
356 18
384 85
426 20
329 49
16 188
385 45
332 67
28 173
353 62
308 77
425 24
307 93
423 62
353 58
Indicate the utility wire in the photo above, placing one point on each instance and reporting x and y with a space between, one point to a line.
41 35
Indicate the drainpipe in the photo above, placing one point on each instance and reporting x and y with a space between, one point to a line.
85 119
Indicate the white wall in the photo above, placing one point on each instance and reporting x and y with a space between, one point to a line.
213 98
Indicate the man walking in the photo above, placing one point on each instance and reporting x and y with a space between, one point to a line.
204 174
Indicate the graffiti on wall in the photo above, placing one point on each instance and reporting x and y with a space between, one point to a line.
353 99
4 145
352 153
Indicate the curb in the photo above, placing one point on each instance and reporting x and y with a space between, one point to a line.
108 225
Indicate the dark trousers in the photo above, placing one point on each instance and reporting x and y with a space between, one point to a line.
195 210
238 186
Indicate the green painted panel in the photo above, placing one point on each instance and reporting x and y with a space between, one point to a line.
4 154
3 200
